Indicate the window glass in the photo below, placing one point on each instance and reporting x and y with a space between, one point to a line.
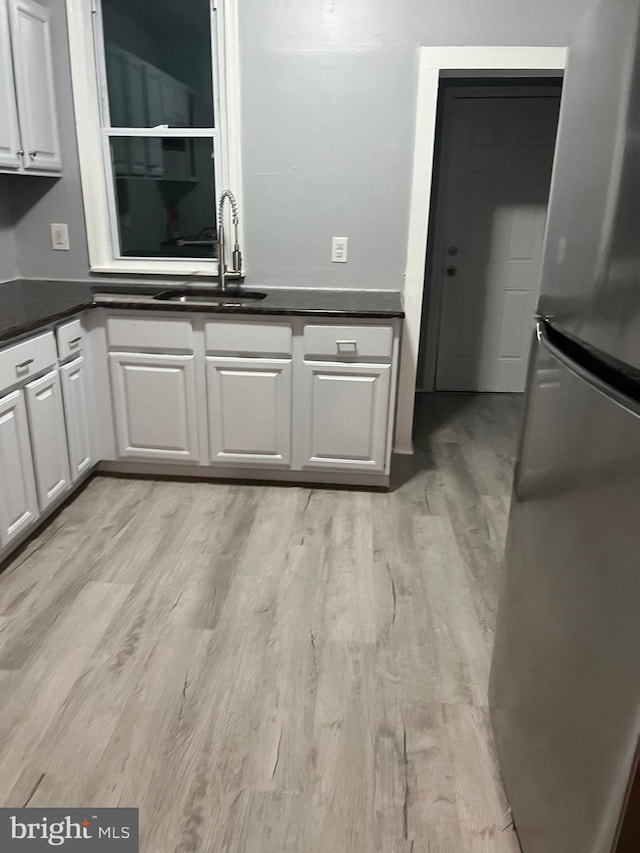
165 196
158 62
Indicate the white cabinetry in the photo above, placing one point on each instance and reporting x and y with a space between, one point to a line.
248 392
346 383
345 412
26 70
249 378
75 393
18 502
9 131
155 406
248 396
48 437
249 404
45 422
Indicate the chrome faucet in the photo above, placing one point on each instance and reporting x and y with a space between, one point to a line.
236 271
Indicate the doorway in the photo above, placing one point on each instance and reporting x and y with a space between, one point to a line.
494 155
435 66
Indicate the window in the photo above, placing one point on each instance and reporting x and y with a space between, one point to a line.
157 117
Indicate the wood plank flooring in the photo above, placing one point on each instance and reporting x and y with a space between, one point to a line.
271 669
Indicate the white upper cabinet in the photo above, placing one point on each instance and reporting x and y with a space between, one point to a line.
9 132
34 85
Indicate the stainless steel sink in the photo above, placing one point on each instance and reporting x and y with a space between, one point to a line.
213 298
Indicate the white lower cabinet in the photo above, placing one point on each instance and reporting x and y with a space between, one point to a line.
253 392
249 407
18 501
75 393
48 437
345 414
155 406
237 392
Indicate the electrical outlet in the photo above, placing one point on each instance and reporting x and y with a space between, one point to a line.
339 249
60 236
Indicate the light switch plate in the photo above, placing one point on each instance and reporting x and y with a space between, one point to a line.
60 236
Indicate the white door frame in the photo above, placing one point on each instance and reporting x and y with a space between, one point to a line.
436 63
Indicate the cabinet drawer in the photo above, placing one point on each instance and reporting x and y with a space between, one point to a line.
71 340
348 342
248 338
154 334
26 359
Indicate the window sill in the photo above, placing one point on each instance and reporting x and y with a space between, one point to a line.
159 267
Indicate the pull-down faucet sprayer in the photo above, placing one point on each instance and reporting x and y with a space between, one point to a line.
236 271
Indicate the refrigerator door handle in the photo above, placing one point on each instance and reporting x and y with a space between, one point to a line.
589 376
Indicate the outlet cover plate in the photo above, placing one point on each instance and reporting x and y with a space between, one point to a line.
339 250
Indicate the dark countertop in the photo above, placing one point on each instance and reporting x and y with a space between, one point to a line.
27 304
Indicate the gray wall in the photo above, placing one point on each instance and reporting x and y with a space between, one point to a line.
328 103
8 249
36 202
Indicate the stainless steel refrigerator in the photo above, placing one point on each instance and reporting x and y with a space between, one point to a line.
565 679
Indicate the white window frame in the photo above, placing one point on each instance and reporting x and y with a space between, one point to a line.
87 73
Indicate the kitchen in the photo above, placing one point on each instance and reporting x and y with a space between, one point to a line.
236 595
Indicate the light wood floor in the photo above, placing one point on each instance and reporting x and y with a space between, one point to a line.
270 669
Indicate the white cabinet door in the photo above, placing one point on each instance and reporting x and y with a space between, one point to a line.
48 437
75 395
9 132
35 87
18 502
155 405
249 403
345 411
